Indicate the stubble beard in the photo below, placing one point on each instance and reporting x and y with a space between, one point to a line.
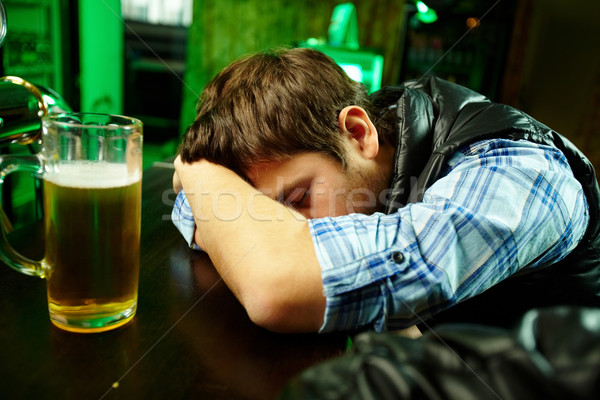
368 188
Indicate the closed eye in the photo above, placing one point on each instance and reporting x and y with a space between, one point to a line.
298 198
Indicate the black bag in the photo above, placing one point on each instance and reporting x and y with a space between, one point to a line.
551 353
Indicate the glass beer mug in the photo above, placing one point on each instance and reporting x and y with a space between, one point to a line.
91 165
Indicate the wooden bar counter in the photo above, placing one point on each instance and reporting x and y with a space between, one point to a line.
190 337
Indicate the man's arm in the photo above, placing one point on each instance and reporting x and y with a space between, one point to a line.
262 249
504 206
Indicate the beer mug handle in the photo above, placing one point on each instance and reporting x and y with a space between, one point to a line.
8 254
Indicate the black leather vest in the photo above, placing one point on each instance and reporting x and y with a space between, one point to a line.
434 119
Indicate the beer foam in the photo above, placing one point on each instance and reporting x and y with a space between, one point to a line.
92 175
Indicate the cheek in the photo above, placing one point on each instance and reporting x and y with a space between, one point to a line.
328 203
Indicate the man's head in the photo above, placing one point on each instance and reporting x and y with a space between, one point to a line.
271 107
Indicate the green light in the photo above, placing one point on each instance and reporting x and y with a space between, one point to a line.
343 27
101 56
312 41
354 71
425 14
422 7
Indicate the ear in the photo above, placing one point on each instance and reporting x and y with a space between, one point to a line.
358 128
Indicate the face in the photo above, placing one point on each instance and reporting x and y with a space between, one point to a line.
317 186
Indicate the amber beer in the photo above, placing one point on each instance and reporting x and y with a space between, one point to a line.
92 219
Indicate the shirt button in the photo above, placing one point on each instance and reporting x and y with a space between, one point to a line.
397 257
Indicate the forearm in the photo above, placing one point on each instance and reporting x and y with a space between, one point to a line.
261 249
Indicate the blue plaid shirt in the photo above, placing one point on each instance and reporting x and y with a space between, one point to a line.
502 206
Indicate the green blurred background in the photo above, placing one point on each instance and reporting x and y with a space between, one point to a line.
151 58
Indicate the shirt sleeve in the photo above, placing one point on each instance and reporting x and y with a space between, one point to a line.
183 219
502 206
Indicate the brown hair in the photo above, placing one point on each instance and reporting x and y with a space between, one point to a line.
270 106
